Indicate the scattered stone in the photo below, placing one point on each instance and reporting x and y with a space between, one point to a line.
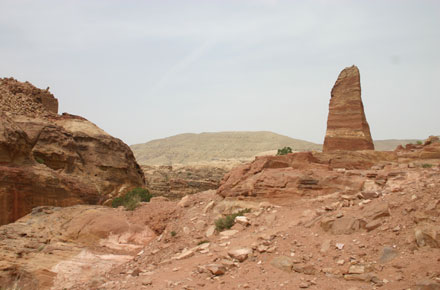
146 281
305 269
427 285
210 231
304 285
216 269
373 225
388 254
283 263
228 233
184 202
185 254
339 246
356 269
428 235
240 254
242 220
367 277
208 207
380 210
325 246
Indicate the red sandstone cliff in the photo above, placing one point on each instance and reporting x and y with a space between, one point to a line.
48 159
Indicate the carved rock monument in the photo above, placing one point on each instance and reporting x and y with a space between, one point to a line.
347 127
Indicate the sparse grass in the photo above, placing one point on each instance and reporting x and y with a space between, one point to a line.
419 142
173 233
39 160
228 221
426 165
131 199
284 151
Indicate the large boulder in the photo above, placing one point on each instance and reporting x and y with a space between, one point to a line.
51 159
347 127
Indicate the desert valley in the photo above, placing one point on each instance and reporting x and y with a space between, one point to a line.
221 210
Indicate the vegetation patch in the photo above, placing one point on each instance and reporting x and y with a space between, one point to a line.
228 221
284 151
39 160
131 199
426 165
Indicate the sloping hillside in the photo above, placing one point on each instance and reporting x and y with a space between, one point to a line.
189 148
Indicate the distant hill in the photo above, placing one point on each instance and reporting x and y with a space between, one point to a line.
191 148
391 144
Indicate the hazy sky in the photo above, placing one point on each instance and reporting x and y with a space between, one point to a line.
143 70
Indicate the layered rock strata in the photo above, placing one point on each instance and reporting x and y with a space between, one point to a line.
48 159
302 174
347 127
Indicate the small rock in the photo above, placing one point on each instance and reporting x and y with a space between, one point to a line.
240 254
325 246
427 285
283 263
185 254
210 231
228 233
373 225
304 285
216 269
184 202
209 206
356 269
147 281
388 254
339 246
242 220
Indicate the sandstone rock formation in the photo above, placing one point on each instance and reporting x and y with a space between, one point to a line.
347 127
178 181
48 159
301 174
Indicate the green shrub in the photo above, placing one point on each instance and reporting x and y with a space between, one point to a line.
173 233
228 221
39 160
131 199
426 165
284 151
419 142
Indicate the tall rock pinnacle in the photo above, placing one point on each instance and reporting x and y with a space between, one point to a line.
347 127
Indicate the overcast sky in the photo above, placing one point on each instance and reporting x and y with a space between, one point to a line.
143 70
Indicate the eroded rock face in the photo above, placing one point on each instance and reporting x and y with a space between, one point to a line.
300 174
178 181
48 159
347 127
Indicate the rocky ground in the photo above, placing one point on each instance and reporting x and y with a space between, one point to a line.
385 235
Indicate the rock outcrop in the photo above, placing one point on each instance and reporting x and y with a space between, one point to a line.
347 127
48 159
178 181
302 174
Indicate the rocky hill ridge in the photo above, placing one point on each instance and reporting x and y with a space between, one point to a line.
51 159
